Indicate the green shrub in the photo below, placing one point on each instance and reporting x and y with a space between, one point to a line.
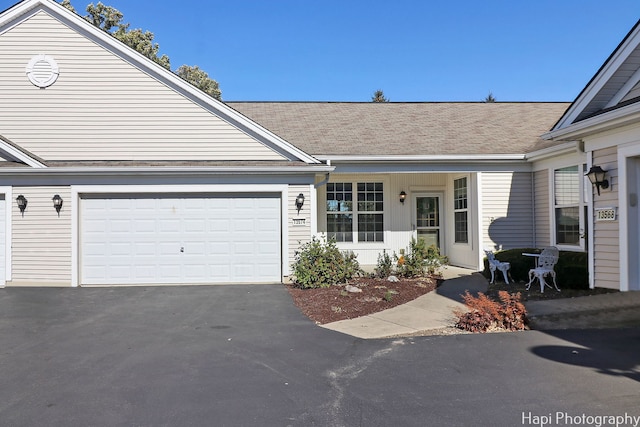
572 271
320 264
384 267
419 259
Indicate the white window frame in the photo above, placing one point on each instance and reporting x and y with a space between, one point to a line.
582 203
465 209
356 243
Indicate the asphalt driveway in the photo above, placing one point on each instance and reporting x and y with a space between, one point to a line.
245 356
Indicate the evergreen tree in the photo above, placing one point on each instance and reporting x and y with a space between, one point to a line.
378 96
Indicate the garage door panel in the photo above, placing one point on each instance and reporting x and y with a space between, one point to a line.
120 249
180 240
169 225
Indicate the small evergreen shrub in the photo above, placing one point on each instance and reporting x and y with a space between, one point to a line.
320 264
419 259
384 267
484 314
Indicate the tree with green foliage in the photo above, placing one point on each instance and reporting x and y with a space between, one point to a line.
110 20
378 96
200 79
490 98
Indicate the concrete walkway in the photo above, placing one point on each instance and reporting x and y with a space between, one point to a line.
428 312
434 311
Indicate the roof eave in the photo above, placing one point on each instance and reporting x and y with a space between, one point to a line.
19 154
164 171
604 73
569 147
603 122
438 158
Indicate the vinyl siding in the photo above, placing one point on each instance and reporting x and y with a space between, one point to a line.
298 234
112 110
606 233
507 217
41 241
542 209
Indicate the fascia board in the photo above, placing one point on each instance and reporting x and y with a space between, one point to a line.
471 158
150 171
20 155
29 7
616 118
557 150
421 167
604 74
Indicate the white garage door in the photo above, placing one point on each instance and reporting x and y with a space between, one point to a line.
180 239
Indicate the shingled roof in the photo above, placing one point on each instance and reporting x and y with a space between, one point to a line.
426 128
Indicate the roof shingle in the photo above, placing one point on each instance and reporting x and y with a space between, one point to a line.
428 128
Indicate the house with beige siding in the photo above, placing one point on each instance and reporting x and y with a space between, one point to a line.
604 121
159 182
114 171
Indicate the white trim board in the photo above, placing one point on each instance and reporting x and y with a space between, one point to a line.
8 196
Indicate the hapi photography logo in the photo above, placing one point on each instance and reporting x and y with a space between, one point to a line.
566 419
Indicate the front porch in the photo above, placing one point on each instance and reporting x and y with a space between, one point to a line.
461 212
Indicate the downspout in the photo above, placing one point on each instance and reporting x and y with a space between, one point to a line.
325 180
317 185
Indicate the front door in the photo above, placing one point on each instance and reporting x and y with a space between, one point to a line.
427 218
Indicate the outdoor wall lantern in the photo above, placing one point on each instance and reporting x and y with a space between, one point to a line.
299 201
57 203
403 196
22 203
597 176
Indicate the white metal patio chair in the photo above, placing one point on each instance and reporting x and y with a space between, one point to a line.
494 265
545 267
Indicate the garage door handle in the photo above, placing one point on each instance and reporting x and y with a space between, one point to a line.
182 249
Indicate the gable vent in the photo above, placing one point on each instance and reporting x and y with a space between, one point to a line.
42 71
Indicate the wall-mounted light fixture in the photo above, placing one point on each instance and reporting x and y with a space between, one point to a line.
57 203
403 197
299 201
598 178
22 203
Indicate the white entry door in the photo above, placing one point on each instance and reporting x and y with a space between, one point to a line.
180 239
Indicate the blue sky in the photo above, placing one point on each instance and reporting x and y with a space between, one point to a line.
414 50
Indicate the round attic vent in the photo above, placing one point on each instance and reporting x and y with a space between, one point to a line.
42 71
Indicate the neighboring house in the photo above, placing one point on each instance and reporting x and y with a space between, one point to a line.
605 120
162 184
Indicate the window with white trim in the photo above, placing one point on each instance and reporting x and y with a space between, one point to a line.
460 210
362 221
567 205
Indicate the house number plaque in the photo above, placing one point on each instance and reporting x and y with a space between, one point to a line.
299 221
606 214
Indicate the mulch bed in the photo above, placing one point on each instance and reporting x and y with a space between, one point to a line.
326 305
334 303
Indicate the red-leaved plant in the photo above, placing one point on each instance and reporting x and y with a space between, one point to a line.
485 314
